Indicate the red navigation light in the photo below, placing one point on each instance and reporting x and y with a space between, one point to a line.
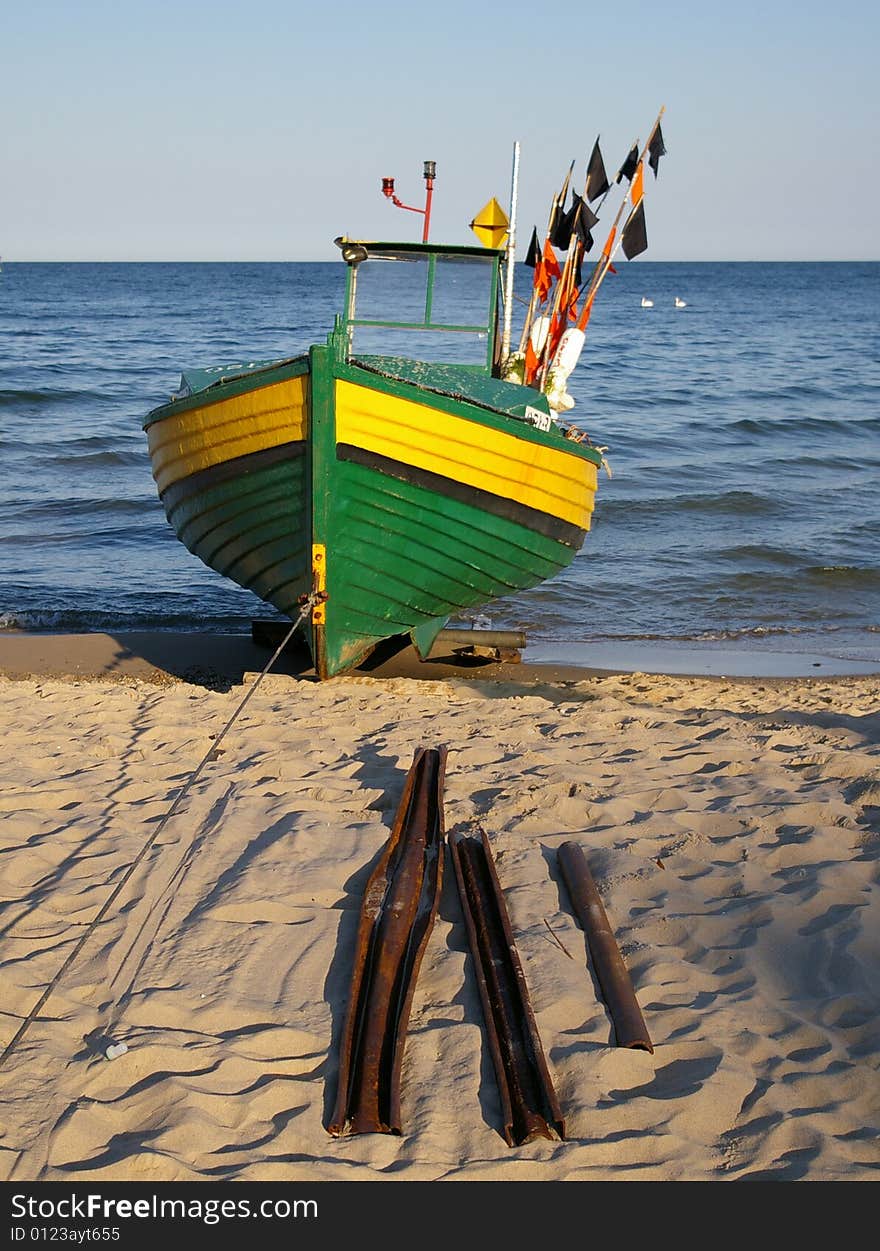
430 168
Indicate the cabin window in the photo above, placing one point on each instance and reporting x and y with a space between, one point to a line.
430 306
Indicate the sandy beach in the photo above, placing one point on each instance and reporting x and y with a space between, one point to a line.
732 827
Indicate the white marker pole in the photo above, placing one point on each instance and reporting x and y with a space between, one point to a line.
511 257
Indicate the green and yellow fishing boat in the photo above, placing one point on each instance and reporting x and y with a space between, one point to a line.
390 470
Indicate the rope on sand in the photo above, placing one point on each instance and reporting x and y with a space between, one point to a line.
307 604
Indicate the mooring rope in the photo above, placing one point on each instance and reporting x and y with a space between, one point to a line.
307 605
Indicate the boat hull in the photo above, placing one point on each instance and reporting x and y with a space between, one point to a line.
407 495
231 466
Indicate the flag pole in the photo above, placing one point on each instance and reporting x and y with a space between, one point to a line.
558 202
511 256
602 265
611 249
562 286
565 303
573 256
556 370
576 251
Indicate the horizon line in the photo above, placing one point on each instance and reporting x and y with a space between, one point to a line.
781 260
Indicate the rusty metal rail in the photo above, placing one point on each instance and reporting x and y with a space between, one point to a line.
397 914
611 971
529 1105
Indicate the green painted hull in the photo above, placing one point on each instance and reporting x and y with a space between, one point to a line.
408 496
436 556
408 546
252 529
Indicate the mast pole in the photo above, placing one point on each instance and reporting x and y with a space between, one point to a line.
511 256
558 200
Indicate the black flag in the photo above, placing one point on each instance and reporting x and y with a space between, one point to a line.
597 179
588 218
628 168
575 224
557 212
634 239
560 232
534 252
656 149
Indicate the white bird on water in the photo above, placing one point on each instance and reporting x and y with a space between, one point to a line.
646 303
680 303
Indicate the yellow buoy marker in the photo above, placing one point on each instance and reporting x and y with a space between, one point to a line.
490 225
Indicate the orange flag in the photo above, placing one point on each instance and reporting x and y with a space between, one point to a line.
545 271
532 363
637 189
572 302
557 325
585 313
550 261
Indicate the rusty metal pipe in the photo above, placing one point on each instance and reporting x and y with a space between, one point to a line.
397 914
611 971
528 1101
512 639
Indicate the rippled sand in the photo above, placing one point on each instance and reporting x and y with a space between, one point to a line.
733 830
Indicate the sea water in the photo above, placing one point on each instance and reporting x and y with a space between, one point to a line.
743 437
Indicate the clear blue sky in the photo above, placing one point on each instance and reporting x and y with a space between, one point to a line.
199 131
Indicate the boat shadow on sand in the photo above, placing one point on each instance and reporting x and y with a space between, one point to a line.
220 662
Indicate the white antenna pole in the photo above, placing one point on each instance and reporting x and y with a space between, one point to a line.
511 256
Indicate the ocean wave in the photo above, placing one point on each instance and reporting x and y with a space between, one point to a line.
697 636
111 456
757 632
845 575
84 621
835 577
815 634
741 503
94 508
110 441
45 397
759 553
790 391
790 425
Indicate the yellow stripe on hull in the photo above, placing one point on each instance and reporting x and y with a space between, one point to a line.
539 477
198 438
